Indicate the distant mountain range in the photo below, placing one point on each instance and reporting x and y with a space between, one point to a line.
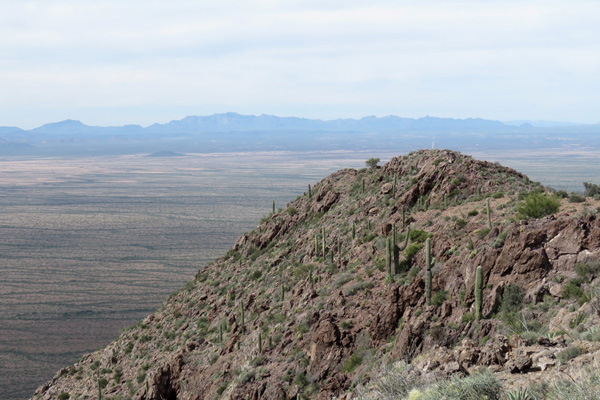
236 132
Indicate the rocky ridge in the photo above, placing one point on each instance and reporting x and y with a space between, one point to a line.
283 315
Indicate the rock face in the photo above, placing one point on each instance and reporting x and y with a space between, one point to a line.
284 314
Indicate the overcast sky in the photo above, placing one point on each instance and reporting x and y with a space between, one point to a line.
139 62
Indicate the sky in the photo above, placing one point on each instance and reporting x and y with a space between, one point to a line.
109 62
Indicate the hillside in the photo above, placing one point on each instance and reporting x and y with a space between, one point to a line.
309 304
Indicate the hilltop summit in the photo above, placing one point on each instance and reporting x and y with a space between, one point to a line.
311 302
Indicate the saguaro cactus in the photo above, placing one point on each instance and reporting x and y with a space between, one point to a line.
397 249
259 343
273 206
309 192
428 273
478 291
489 218
323 239
316 245
353 231
388 256
242 313
99 386
403 216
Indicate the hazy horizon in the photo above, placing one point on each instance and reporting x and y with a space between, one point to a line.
535 123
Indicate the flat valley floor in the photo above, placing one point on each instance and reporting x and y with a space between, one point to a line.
89 246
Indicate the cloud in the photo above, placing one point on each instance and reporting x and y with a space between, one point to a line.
493 59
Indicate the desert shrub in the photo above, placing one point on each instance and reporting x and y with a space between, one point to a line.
397 383
118 375
343 279
394 382
569 353
591 189
346 325
419 236
576 198
352 363
461 223
562 194
469 316
537 205
412 250
372 162
247 376
129 348
438 298
499 242
577 320
512 298
63 396
473 213
592 334
301 380
459 178
587 270
482 233
573 290
474 387
222 388
292 211
349 291
141 377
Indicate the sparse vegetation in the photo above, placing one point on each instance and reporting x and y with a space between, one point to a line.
537 205
307 291
372 162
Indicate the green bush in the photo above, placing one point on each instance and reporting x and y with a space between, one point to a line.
349 291
438 298
482 233
576 198
418 236
412 250
573 290
569 353
537 205
352 363
512 298
591 189
469 316
63 396
301 380
461 223
585 387
587 270
372 162
141 377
